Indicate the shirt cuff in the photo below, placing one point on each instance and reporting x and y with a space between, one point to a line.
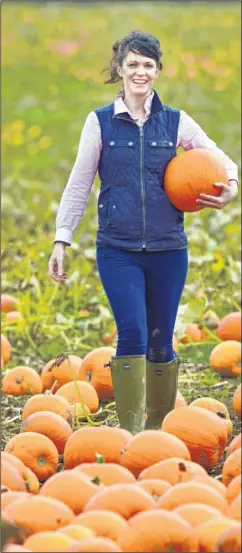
233 175
63 235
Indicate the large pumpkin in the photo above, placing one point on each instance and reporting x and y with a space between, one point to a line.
191 173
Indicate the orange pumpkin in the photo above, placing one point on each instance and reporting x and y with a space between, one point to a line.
94 371
48 379
49 542
107 473
30 480
13 316
157 530
234 444
213 482
65 369
36 451
8 303
225 358
196 513
180 400
149 447
83 445
11 477
193 333
216 407
51 425
124 499
234 488
105 523
234 509
192 492
97 544
9 497
205 447
191 173
21 381
230 327
38 513
5 349
154 486
77 531
174 470
209 533
42 402
230 540
15 548
237 401
231 466
71 487
78 391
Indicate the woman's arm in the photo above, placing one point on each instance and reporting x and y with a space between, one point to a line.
77 190
191 135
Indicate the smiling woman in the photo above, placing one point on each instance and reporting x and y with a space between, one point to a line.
141 244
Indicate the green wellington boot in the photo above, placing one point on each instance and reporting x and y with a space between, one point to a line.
161 390
128 376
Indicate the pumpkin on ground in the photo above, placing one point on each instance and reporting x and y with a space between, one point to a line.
5 349
234 488
38 513
213 482
157 530
180 400
231 466
10 496
77 531
42 402
21 381
216 407
124 499
93 370
79 391
107 473
174 471
234 444
13 316
86 442
11 477
234 509
192 492
225 358
97 544
105 523
49 542
205 447
48 379
196 513
154 486
8 303
55 427
65 369
230 541
209 533
191 173
71 487
193 333
30 479
230 327
237 400
149 447
36 451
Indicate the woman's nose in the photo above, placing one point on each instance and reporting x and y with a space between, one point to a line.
140 71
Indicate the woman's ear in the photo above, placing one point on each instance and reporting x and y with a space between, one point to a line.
119 71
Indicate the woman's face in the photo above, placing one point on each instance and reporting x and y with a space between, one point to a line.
138 73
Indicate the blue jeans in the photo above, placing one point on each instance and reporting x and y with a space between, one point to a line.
143 290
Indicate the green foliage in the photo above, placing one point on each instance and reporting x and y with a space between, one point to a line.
52 57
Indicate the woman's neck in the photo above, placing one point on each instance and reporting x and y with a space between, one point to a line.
136 105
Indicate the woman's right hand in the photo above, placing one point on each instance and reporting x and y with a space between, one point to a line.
56 262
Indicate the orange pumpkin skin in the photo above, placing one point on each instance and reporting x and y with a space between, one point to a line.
230 541
157 530
234 509
13 316
76 391
83 445
237 401
234 444
97 544
215 484
42 402
5 349
65 370
8 303
49 542
36 451
225 358
206 447
193 333
94 371
191 173
107 473
150 446
173 471
196 513
51 425
230 327
72 488
209 533
21 381
38 513
124 499
180 400
11 477
216 407
103 523
15 548
231 466
234 488
154 487
192 492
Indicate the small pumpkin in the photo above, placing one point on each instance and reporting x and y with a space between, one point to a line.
107 473
42 402
11 477
192 492
5 349
94 369
8 303
21 381
230 541
237 401
65 369
209 533
124 499
230 327
231 466
216 407
36 451
103 523
79 391
38 513
71 487
49 542
174 470
225 358
55 427
193 333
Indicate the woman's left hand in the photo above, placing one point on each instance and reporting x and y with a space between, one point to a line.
228 193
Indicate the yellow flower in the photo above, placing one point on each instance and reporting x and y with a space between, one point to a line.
45 142
34 131
17 139
18 125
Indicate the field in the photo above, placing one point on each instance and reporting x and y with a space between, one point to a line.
52 58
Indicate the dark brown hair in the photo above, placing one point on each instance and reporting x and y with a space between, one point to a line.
137 42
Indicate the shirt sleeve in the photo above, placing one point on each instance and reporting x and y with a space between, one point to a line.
191 135
77 190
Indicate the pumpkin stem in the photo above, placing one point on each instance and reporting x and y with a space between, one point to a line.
220 414
96 480
99 458
41 460
182 467
19 380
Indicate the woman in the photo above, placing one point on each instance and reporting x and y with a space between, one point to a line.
141 244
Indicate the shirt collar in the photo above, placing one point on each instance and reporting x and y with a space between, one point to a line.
120 106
